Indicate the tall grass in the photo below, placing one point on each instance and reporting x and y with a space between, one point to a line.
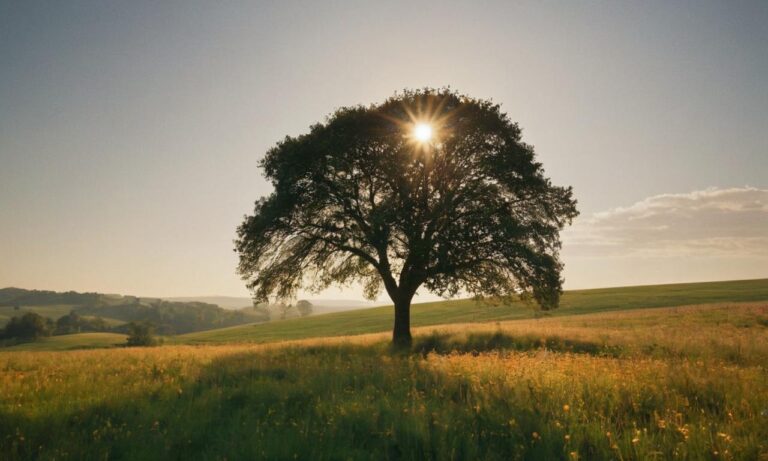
609 386
573 302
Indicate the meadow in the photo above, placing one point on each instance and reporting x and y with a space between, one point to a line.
667 383
379 319
96 340
573 302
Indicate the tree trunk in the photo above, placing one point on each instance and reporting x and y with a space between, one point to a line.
401 334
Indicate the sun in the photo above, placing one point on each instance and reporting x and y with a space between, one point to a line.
422 132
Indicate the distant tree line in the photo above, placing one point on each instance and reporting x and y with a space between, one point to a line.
142 318
168 317
21 297
27 327
75 323
173 317
32 326
89 311
283 310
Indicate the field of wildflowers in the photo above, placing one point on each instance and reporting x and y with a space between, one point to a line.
679 383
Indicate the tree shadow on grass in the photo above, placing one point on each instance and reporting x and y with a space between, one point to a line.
340 401
475 343
322 402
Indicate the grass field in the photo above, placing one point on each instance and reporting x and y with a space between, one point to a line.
574 302
597 379
70 342
52 312
669 383
435 313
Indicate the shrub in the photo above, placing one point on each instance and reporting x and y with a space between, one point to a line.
141 334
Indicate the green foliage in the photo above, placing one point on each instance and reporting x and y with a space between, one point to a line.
22 297
78 315
52 312
29 326
304 307
172 317
74 323
70 323
141 334
357 198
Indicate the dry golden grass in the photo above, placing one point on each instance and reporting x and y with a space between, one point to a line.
687 383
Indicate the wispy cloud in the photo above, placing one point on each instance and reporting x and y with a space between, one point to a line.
712 222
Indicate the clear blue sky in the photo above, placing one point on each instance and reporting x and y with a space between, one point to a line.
130 132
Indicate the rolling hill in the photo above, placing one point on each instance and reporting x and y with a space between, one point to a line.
574 302
117 310
319 306
71 342
664 383
53 311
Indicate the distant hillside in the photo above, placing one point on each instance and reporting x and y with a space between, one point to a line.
21 297
574 302
225 302
320 306
117 310
341 305
71 342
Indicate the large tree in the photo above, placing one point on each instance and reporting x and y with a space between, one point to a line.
429 189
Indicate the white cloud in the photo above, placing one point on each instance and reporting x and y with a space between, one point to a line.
710 223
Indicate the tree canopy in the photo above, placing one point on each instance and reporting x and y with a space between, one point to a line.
365 197
304 307
29 326
141 334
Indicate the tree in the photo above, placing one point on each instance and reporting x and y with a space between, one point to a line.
29 326
263 311
68 324
141 334
430 188
97 324
304 307
284 308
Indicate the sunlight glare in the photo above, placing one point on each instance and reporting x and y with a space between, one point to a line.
423 132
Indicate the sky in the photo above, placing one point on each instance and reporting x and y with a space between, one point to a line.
130 132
